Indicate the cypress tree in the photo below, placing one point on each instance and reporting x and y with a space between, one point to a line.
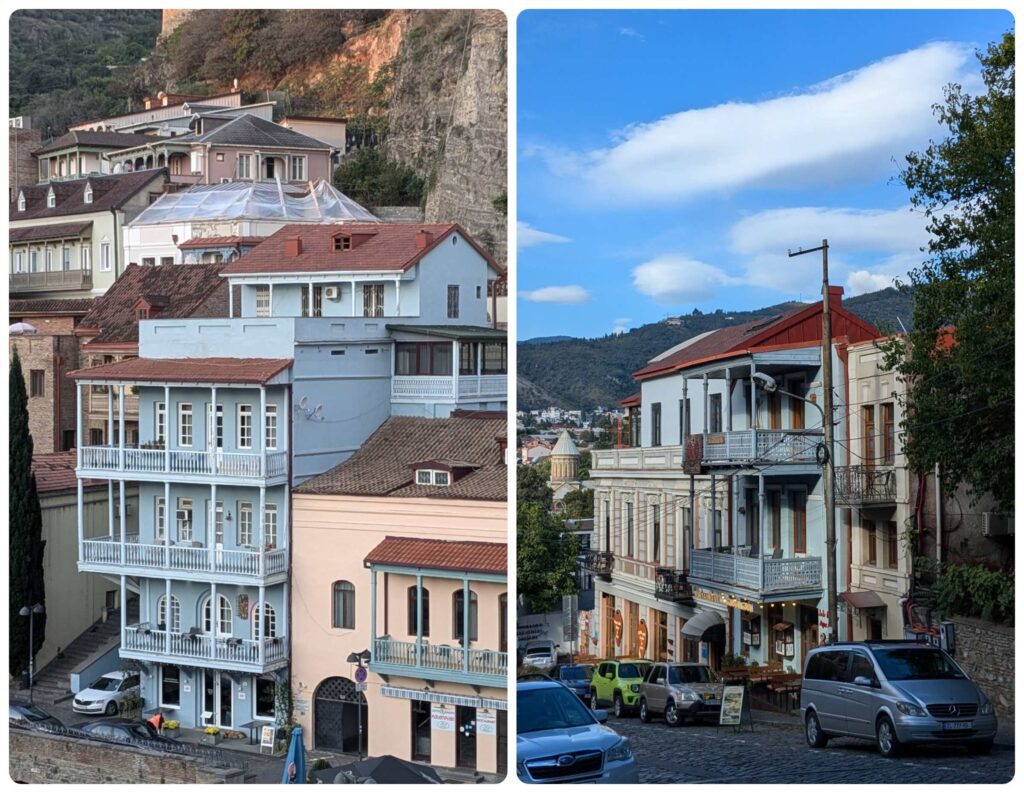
26 528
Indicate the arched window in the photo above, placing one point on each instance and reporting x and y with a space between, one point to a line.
174 624
267 629
344 605
223 616
413 610
459 615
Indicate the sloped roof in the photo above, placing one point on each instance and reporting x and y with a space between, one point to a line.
53 231
565 445
219 242
47 305
381 467
801 325
250 130
241 200
185 290
463 556
108 192
55 473
388 246
104 140
256 371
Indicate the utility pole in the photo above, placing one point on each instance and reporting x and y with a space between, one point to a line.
828 469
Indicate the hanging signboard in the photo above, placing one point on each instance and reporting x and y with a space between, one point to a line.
641 639
617 627
442 718
732 705
486 722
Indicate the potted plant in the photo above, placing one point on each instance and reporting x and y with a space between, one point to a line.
170 728
211 735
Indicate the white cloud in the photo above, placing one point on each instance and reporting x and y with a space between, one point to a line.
861 281
621 325
632 33
848 127
571 294
674 278
528 237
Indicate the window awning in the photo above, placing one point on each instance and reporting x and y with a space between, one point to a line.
863 600
782 626
699 624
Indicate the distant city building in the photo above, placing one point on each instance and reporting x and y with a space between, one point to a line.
565 468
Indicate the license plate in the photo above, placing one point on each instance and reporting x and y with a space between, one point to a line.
958 725
709 696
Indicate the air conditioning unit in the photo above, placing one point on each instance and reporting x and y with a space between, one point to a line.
994 524
332 292
226 179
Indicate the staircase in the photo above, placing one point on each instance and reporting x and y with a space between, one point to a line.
52 683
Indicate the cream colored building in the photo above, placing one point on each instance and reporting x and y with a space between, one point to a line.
398 554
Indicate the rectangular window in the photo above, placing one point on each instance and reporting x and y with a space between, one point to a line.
868 433
714 413
298 169
424 477
49 259
629 529
105 256
656 424
65 258
197 162
495 358
421 730
870 544
262 301
245 523
775 516
270 441
170 686
95 437
244 166
318 301
798 509
270 526
265 687
373 300
37 383
453 301
166 260
888 433
655 533
245 426
184 519
467 357
185 424
160 422
892 545
796 406
684 420
34 260
423 358
160 512
216 519
148 261
215 426
86 258
19 259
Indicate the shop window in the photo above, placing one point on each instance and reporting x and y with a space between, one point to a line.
264 698
170 686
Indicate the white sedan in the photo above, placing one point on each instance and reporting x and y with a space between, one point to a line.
106 693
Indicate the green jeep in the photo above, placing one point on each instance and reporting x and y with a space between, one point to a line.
617 683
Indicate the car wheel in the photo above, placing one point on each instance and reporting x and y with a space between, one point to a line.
618 706
885 735
816 739
645 715
111 709
979 747
672 717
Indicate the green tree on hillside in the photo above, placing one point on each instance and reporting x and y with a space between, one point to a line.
25 522
545 558
532 487
373 180
958 361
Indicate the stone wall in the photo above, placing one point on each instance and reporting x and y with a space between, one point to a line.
399 214
37 758
52 413
985 651
22 168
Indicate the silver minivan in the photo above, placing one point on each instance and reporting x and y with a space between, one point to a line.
894 693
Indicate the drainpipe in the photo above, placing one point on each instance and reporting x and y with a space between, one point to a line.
291 519
57 362
938 515
116 246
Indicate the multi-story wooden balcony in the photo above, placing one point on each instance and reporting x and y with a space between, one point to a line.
146 642
757 446
599 563
757 574
439 662
672 585
56 281
159 464
865 485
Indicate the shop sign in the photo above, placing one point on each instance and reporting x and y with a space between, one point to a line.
722 599
302 706
707 597
442 718
486 722
617 626
641 639
823 620
736 603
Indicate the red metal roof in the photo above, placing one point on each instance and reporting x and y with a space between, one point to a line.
631 401
472 557
55 473
187 370
376 246
799 327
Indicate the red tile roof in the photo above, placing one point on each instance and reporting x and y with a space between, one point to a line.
217 242
59 306
187 370
190 290
631 401
470 557
55 473
386 246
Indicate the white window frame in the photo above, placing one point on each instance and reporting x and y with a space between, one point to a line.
160 686
104 257
160 517
245 525
257 616
51 199
88 194
19 259
424 476
85 258
185 518
65 257
196 161
243 425
270 526
160 422
223 610
174 623
186 429
432 477
297 168
49 259
243 168
215 519
270 440
261 294
21 202
215 427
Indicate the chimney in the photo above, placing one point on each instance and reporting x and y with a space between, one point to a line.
423 239
835 296
292 246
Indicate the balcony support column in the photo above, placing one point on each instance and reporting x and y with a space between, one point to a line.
110 415
419 620
110 509
81 519
261 442
258 629
262 542
684 417
714 515
171 428
752 418
211 527
214 618
353 282
231 301
124 606
762 522
211 429
705 407
691 544
467 632
455 371
124 521
167 524
79 419
373 612
398 297
728 403
120 426
167 615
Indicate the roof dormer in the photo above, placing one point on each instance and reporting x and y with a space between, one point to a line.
440 473
21 200
148 306
87 195
350 240
51 198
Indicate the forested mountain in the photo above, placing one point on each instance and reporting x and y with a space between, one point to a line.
586 373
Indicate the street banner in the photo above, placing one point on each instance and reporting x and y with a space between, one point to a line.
732 705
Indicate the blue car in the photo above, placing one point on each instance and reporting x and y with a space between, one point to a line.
575 677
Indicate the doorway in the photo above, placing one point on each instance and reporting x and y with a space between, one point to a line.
502 743
465 742
340 716
421 731
218 698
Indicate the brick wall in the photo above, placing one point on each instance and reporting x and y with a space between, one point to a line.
985 651
47 419
38 758
22 168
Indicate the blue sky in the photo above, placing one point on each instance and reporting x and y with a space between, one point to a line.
668 159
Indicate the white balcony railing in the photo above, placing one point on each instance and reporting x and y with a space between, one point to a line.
639 458
183 558
483 385
772 446
132 460
443 388
159 644
759 574
441 657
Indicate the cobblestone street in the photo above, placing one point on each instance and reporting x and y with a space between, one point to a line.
702 753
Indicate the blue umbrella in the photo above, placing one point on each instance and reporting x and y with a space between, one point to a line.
295 762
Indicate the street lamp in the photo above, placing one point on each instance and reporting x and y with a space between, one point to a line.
361 660
31 612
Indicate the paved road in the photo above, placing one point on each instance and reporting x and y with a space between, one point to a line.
700 753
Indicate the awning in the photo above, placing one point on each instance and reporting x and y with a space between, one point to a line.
782 626
704 619
863 600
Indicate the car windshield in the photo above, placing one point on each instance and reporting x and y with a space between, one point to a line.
691 674
633 670
918 663
549 708
105 684
574 673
